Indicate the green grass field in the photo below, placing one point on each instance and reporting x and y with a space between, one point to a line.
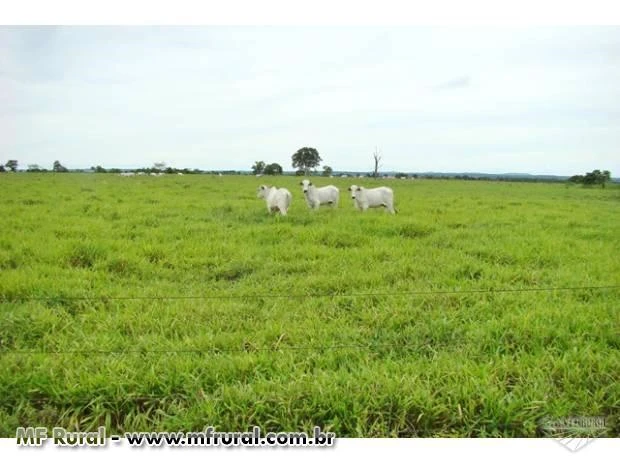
175 303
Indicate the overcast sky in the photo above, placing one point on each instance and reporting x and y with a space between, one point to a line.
535 100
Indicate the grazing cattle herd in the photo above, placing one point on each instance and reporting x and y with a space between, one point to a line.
279 199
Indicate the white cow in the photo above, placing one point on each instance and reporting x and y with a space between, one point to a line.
278 199
373 198
317 196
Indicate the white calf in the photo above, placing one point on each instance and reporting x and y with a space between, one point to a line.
373 198
278 199
317 196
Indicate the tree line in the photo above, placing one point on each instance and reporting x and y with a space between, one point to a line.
11 165
305 160
596 177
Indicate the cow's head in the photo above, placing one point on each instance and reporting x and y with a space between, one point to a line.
261 191
354 189
305 184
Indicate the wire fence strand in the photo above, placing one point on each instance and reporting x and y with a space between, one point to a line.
247 349
426 348
307 295
277 347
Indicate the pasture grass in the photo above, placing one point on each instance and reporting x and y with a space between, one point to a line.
362 356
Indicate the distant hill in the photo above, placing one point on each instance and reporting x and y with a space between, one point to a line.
472 175
469 175
508 175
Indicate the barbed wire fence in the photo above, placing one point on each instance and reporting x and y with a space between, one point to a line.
426 348
305 295
277 346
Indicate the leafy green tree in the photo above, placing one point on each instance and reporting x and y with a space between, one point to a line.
577 179
272 169
596 177
258 168
34 168
59 167
157 167
605 177
99 169
327 171
306 158
12 165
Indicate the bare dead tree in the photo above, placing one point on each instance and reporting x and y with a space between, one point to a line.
377 157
